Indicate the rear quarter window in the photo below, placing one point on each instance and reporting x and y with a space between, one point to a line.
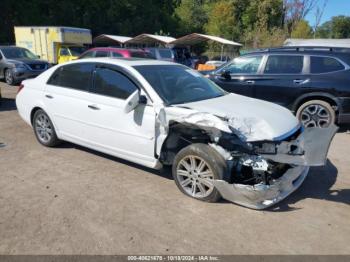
320 65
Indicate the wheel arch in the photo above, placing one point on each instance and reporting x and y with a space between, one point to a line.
180 136
332 100
33 112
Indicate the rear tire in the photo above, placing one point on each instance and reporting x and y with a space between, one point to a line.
44 130
316 113
193 168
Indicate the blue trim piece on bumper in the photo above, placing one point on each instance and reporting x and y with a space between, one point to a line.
288 134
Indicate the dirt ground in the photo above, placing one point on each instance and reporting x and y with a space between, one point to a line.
71 200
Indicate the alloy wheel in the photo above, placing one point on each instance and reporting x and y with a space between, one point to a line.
194 175
315 115
43 128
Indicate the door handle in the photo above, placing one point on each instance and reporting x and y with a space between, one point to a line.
298 81
93 107
251 82
49 96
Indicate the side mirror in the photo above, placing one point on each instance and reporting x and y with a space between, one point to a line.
226 75
133 101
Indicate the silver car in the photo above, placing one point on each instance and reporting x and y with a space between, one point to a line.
17 64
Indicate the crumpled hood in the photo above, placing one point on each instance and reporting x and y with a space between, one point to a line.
252 119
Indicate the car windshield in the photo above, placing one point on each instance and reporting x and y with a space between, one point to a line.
16 52
77 50
177 84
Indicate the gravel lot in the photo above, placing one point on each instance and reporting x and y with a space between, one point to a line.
71 200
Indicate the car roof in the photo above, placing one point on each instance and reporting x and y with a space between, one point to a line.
302 50
121 61
116 49
10 46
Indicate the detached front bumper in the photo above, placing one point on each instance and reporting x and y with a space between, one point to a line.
262 196
309 148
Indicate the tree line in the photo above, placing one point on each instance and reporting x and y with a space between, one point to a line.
255 23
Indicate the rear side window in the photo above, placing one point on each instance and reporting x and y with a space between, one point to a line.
75 76
138 54
112 83
324 65
115 54
101 54
283 64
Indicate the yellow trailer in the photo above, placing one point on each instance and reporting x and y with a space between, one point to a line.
54 44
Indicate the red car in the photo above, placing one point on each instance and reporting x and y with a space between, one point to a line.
115 52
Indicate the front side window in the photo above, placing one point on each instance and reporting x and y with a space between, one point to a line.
324 65
64 51
244 65
109 82
101 54
284 64
88 55
177 84
76 76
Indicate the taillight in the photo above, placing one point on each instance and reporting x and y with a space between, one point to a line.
20 88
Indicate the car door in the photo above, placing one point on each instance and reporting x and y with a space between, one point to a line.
239 76
283 79
127 135
65 97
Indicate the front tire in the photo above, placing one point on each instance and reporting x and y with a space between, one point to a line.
44 130
193 168
316 113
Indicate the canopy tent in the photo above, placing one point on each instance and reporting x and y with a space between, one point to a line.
342 43
150 39
195 38
110 39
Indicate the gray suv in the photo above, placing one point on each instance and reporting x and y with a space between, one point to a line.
17 64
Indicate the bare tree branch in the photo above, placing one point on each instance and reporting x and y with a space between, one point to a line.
318 15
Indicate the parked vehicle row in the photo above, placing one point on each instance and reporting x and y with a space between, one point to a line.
311 82
157 113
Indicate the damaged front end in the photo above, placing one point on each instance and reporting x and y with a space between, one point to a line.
259 173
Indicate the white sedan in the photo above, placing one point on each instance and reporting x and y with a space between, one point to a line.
158 113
